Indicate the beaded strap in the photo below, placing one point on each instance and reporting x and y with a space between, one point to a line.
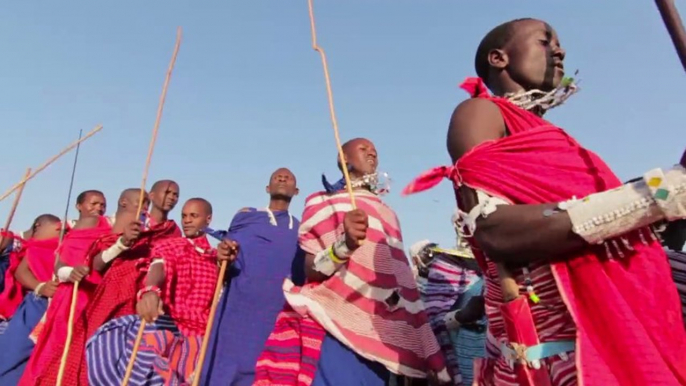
145 290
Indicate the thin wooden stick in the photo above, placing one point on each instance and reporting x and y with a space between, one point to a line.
13 210
49 162
672 20
70 333
332 111
160 107
75 288
210 322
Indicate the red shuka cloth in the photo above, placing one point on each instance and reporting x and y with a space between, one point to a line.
53 333
41 260
630 329
115 296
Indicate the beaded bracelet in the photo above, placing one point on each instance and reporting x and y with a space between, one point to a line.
150 288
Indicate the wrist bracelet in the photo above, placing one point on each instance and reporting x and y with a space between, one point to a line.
340 251
39 287
330 259
145 290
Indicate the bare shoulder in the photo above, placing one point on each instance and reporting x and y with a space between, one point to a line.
473 122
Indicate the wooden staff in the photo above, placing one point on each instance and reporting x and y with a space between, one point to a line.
13 210
332 111
346 175
75 288
210 320
70 333
160 107
672 20
49 162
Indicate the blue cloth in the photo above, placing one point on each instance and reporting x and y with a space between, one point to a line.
253 296
15 343
109 350
340 366
468 344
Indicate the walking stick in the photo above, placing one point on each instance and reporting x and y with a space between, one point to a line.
332 111
160 107
75 287
346 175
210 320
10 216
49 162
672 20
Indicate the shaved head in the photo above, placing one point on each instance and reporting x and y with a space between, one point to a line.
207 207
129 198
162 184
196 216
283 171
282 185
360 156
164 195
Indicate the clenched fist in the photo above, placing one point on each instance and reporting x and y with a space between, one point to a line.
355 225
78 273
150 307
227 250
132 232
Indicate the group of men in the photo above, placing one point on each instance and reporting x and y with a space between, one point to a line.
575 281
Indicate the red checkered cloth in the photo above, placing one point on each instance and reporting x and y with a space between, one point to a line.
190 268
371 304
115 296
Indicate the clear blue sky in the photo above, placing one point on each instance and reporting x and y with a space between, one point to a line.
247 95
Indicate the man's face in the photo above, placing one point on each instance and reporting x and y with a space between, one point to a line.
533 57
194 218
282 183
94 205
165 196
361 156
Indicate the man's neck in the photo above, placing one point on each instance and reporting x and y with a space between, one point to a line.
118 226
279 204
158 215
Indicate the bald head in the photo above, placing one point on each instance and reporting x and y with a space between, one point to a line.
129 198
282 185
205 205
196 216
361 157
164 195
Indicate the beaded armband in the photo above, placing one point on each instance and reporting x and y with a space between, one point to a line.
115 250
605 215
145 290
328 260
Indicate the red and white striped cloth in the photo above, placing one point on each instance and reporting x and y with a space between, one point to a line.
551 317
371 304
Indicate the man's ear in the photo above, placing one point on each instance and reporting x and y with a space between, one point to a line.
266 189
297 191
497 58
